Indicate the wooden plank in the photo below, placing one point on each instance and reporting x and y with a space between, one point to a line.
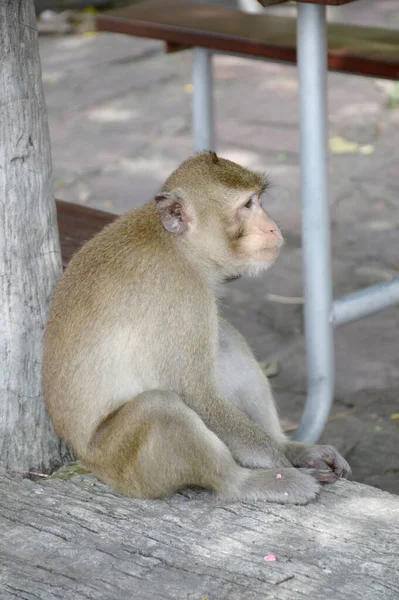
271 2
328 2
362 50
78 540
323 2
77 224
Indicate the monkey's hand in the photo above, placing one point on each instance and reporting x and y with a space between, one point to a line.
312 456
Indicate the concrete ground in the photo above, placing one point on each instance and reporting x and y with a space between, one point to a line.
120 122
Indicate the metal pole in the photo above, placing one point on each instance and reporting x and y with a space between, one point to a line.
203 121
312 70
365 302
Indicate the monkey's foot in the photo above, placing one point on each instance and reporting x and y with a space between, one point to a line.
283 486
321 458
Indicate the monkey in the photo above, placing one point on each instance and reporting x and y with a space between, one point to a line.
145 381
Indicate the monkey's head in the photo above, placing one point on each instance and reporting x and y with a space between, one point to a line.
213 208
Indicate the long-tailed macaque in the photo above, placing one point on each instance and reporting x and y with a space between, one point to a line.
150 387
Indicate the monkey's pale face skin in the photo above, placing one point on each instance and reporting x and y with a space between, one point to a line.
258 238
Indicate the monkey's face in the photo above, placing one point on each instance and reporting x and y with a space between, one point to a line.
255 239
213 206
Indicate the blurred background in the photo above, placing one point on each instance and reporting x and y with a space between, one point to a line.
119 112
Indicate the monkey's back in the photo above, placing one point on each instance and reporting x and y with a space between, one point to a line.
99 347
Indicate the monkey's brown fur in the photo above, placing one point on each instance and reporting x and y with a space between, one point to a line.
142 377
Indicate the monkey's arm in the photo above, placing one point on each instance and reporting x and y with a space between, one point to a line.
248 442
222 407
242 381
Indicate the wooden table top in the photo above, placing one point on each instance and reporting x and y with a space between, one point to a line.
351 49
323 2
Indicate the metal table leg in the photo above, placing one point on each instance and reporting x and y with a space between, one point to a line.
321 313
365 302
203 121
312 70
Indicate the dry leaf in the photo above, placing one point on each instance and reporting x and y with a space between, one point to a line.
270 369
339 145
288 425
284 299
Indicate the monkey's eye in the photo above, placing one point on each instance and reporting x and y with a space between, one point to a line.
250 202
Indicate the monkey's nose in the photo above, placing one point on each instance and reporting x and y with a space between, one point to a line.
276 231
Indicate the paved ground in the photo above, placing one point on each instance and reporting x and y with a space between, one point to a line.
119 112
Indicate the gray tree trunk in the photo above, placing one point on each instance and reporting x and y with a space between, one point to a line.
30 260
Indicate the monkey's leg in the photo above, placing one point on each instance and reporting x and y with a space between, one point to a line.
155 445
243 382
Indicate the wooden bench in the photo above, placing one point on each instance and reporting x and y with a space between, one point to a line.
351 49
316 46
76 225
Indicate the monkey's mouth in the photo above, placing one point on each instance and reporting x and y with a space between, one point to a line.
232 278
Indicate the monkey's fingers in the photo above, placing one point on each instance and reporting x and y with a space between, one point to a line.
335 461
322 476
313 456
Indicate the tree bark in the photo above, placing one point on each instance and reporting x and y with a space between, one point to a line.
30 259
79 540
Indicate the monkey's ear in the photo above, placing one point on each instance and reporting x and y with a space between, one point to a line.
172 211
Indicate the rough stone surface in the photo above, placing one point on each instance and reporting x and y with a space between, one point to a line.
120 121
77 540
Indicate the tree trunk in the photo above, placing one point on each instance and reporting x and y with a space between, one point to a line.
30 259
